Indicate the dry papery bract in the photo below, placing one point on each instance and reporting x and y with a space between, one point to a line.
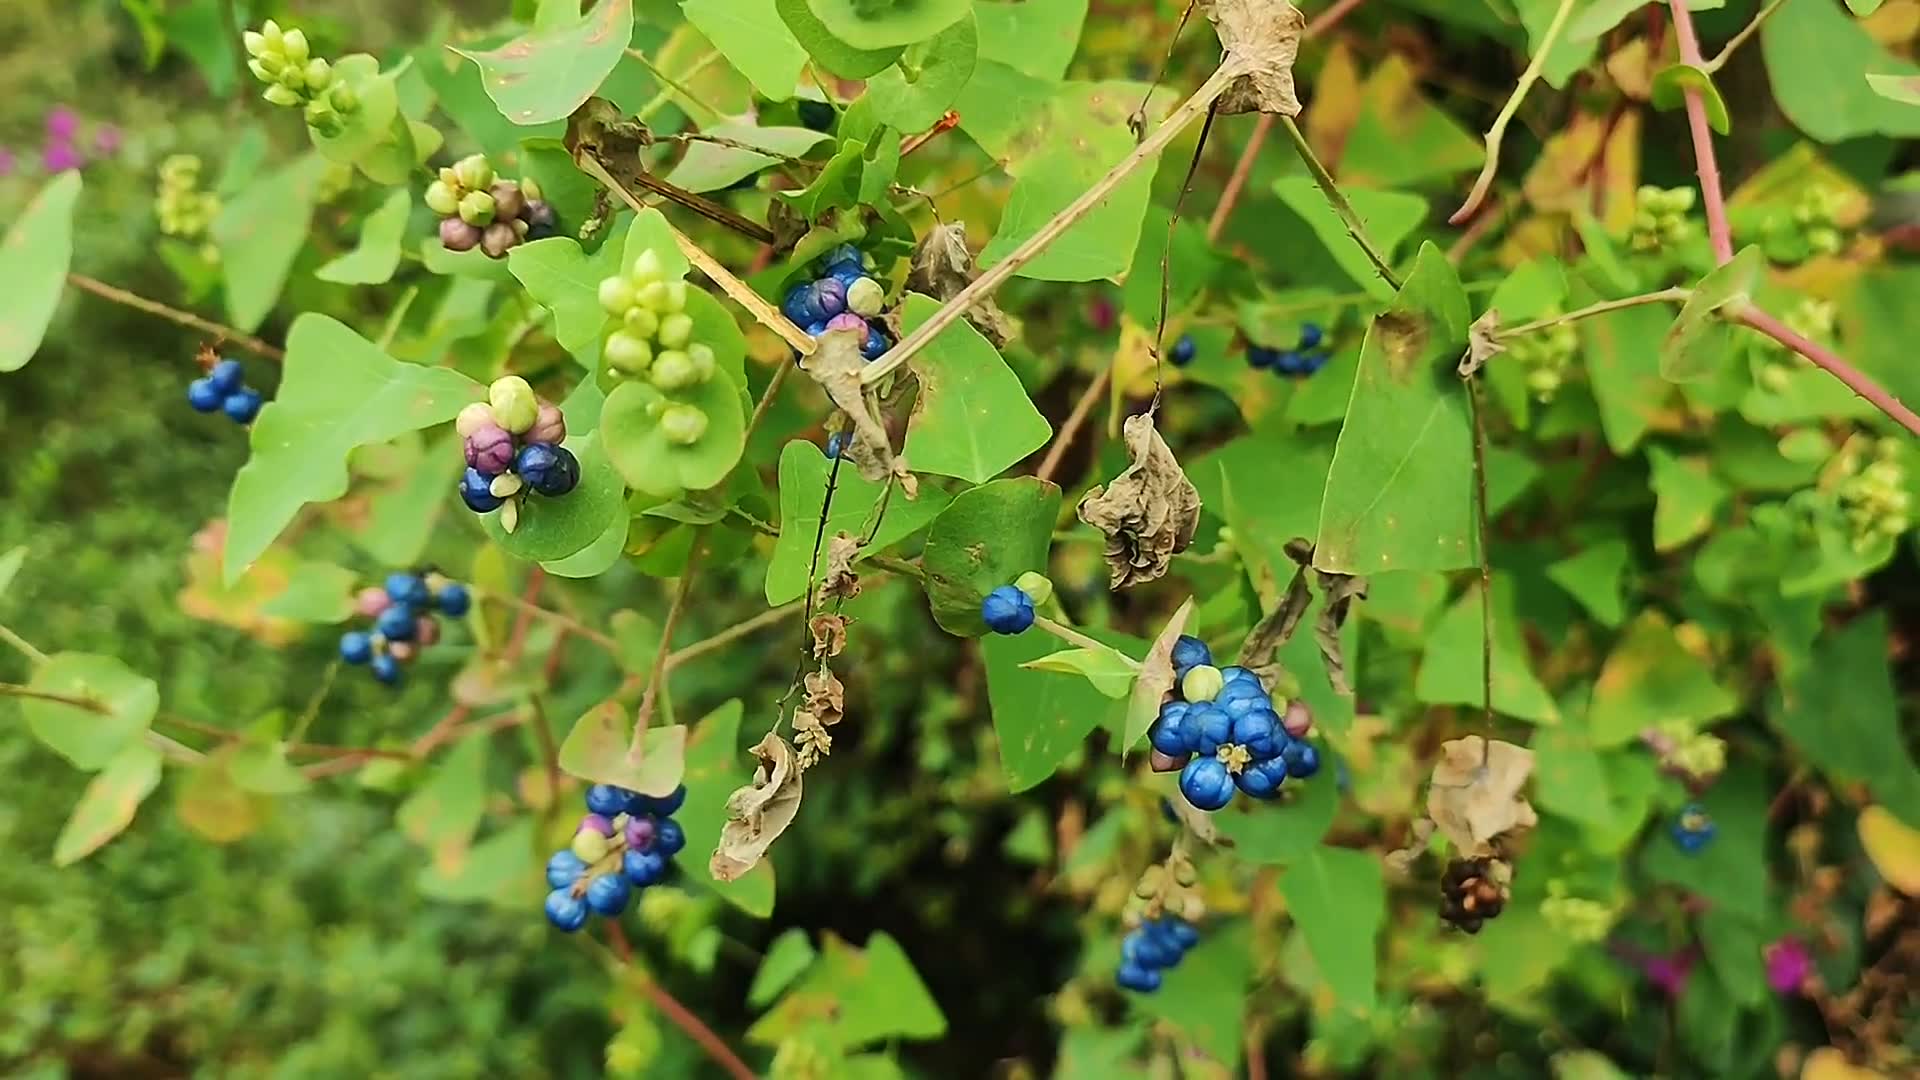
1262 39
829 635
836 365
1148 513
758 813
841 583
1474 795
942 266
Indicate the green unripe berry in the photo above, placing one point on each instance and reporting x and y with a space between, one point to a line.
343 97
450 178
1203 682
683 424
651 294
628 354
676 297
322 118
442 199
294 44
514 403
270 30
255 42
1776 377
703 361
476 209
647 268
1037 587
616 295
294 77
319 73
473 172
676 330
673 370
262 71
591 846
641 322
280 95
530 189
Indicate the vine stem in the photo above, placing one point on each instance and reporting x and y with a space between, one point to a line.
1834 365
681 590
984 285
174 315
22 645
1074 637
1739 39
1356 228
1677 294
1075 421
679 1015
1485 528
732 634
1498 132
568 622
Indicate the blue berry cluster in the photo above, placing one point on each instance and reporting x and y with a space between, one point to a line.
1693 829
513 447
1221 731
1153 948
845 296
224 389
626 841
402 625
1303 359
1009 608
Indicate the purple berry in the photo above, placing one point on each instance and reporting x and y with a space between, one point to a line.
830 297
599 823
60 157
541 221
549 426
457 235
62 122
640 834
490 450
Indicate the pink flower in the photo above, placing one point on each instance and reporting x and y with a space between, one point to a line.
1669 972
62 122
106 140
58 157
7 161
1100 313
1788 965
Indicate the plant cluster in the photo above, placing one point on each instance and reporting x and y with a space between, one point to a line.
512 447
402 622
625 842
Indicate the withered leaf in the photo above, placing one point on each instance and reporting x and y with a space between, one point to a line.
841 583
826 697
829 635
1483 343
810 735
1148 513
1156 677
942 266
1337 592
1262 39
1474 794
758 813
836 365
1401 860
1276 627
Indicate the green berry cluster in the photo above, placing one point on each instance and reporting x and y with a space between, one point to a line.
1873 493
654 340
480 209
1575 917
1696 756
1816 212
1545 355
1811 318
185 212
1660 218
295 78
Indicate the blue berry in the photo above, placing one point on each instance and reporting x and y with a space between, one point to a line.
1262 779
396 623
1007 610
242 405
607 800
1693 829
204 396
835 442
1260 733
846 273
356 647
801 307
840 255
566 911
666 805
643 868
1234 673
386 669
668 838
453 599
1138 979
1290 363
476 492
1262 357
564 869
1169 733
1208 726
227 376
1183 351
1184 933
1206 783
1310 335
1239 697
1189 652
830 296
816 328
1144 948
548 469
608 893
876 345
1301 758
409 589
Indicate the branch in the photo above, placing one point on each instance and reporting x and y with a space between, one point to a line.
1833 363
1075 420
1355 227
732 633
681 1017
1677 294
1704 163
534 611
174 315
1498 132
984 285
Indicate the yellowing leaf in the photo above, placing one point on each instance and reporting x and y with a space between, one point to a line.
1894 847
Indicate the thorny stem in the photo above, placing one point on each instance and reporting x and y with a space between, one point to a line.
681 590
1498 132
1739 39
1355 227
1834 365
1074 637
174 315
984 285
1677 294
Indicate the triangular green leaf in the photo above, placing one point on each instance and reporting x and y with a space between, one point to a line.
1701 339
37 250
108 804
1389 217
124 706
1450 669
1338 901
751 35
973 418
554 528
1649 679
547 74
985 538
803 487
259 233
599 750
376 257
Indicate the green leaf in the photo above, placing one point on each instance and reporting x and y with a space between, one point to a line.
263 768
1204 996
259 232
1279 834
751 35
1904 89
377 255
648 460
337 392
1733 946
1601 16
1267 506
1568 55
716 766
564 279
985 538
1035 39
1572 780
1670 86
547 74
1815 58
837 56
1688 494
853 997
973 418
915 92
1110 671
403 516
1622 353
1339 902
368 125
317 592
867 25
1732 870
124 707
552 529
1390 216
471 263
1040 720
443 813
1592 576
596 558
1155 678
1841 716
599 750
1450 669
803 487
1863 8
1702 338
1099 245
1400 492
10 564
709 167
108 804
494 870
37 251
789 955
1651 678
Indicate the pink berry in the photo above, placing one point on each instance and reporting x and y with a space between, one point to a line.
402 651
457 235
1298 719
1165 762
595 823
640 834
847 320
371 601
426 631
548 425
490 450
497 239
60 157
507 200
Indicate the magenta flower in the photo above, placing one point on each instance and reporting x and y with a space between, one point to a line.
1788 965
1100 313
1669 971
7 162
58 157
62 122
106 140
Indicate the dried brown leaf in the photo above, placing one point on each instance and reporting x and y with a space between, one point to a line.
1474 795
1262 38
942 266
1148 513
1337 592
1483 343
758 813
826 697
841 583
811 737
829 635
836 366
1277 626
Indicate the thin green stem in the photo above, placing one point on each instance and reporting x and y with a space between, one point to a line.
1498 132
674 86
312 710
1355 227
1074 637
1677 294
651 694
573 626
1739 39
895 565
24 647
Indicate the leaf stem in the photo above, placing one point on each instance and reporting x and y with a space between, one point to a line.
1739 39
733 633
1498 132
681 590
984 285
1074 637
675 86
1074 422
174 315
1676 294
22 645
1355 227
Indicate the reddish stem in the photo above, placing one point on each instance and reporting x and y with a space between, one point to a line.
1704 163
682 1018
1833 364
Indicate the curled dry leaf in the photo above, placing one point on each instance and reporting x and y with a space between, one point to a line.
942 266
1276 627
1474 796
1483 343
1154 681
826 697
758 813
811 737
1261 38
1401 860
841 582
1148 513
1338 592
829 635
836 365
